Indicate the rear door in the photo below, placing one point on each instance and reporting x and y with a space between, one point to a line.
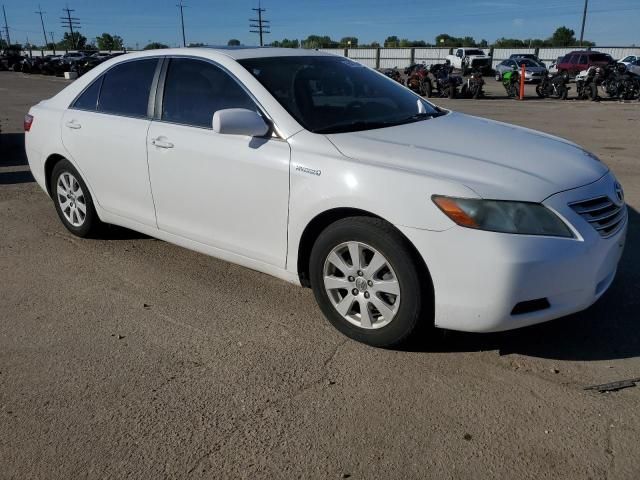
105 132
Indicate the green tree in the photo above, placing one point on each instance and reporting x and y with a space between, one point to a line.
392 41
349 42
77 42
286 43
234 42
563 37
155 45
316 41
106 41
196 45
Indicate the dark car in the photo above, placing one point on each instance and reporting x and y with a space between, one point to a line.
574 62
530 56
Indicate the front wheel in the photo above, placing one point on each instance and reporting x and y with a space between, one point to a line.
73 201
366 282
540 91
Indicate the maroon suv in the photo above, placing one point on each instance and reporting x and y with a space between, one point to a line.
574 62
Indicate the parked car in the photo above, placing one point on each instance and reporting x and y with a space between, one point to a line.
100 55
465 59
322 172
534 72
553 68
530 56
629 59
574 62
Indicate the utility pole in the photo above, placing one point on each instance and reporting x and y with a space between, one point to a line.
181 7
584 19
70 22
44 32
6 27
259 23
53 42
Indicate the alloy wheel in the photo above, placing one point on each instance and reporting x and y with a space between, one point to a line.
361 285
71 199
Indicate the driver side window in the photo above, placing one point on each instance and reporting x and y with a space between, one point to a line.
194 90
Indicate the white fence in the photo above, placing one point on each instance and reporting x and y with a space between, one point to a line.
403 57
41 53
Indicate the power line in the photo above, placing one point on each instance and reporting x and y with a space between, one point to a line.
6 27
44 32
259 23
181 7
70 22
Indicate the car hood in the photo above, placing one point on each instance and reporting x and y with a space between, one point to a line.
496 160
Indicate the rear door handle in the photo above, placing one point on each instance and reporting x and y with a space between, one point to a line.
73 124
161 142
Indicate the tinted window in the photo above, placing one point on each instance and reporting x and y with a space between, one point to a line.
89 98
328 94
125 88
194 90
601 57
474 52
574 59
583 60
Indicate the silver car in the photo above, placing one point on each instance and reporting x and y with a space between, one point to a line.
634 67
533 70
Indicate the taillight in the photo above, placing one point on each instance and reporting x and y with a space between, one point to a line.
28 121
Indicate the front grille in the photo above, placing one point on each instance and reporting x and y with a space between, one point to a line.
604 215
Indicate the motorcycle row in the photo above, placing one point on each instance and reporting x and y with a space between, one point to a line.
611 81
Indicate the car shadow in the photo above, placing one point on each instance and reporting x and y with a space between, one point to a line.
12 152
608 330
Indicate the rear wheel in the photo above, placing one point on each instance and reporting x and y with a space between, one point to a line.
563 93
366 282
427 88
73 201
540 91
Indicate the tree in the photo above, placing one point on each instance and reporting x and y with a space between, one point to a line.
155 45
349 42
392 41
286 43
234 42
77 42
563 37
196 45
316 41
109 42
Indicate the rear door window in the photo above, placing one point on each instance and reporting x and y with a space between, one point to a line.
89 98
125 88
574 59
194 90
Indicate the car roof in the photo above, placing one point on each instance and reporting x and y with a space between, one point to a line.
240 53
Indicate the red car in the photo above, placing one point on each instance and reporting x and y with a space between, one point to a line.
574 62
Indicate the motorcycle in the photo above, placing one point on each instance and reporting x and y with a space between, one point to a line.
473 86
553 86
393 74
418 79
586 87
447 84
511 82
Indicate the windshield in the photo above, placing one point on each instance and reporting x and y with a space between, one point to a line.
328 94
527 62
470 51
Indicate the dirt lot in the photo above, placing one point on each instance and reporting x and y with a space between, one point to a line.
127 357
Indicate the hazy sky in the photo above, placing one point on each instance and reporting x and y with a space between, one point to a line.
609 22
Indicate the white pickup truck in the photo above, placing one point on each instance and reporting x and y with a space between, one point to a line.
469 58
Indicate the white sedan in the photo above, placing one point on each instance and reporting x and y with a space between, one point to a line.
320 171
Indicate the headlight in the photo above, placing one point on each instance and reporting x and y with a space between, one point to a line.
503 216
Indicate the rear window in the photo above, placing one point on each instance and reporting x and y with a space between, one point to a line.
600 57
125 88
474 52
89 98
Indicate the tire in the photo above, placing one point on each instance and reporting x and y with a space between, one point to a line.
452 92
563 93
66 179
428 89
369 237
565 75
477 91
539 91
592 92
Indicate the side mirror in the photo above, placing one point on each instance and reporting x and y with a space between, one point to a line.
239 121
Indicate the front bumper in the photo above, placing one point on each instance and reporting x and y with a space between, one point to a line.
479 277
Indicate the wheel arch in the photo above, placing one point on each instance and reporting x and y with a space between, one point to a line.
49 164
326 218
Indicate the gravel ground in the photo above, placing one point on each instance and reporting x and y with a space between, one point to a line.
128 357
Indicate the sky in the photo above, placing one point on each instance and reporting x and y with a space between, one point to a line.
214 22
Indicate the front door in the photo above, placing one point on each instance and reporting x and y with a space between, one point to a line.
227 191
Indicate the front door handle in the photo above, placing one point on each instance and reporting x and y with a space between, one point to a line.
161 142
73 124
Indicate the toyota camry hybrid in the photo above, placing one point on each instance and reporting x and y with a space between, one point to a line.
323 172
